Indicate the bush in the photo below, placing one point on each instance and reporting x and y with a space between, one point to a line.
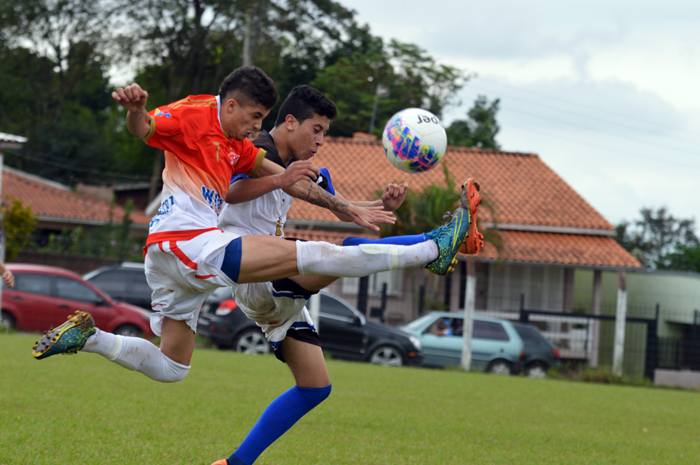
19 223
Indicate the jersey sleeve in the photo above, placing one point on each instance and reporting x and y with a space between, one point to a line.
251 158
166 129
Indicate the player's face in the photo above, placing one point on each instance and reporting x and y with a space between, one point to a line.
242 121
306 138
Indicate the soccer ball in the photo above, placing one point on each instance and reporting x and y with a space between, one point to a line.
414 140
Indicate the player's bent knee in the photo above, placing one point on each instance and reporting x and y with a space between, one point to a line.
314 396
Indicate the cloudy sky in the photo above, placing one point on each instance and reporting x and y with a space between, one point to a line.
607 93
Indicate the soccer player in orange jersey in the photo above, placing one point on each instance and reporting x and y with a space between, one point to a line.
187 256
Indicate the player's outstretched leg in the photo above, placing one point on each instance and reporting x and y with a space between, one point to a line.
68 338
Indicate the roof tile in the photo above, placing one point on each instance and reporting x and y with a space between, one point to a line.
49 199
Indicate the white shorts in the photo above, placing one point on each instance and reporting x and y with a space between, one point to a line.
182 274
277 308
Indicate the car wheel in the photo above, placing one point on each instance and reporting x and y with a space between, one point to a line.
128 330
7 322
386 355
252 341
536 370
499 367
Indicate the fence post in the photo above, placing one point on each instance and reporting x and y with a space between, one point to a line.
695 343
524 316
620 319
363 294
421 300
597 299
469 307
652 346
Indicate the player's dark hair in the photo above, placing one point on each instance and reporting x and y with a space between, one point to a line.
252 84
303 102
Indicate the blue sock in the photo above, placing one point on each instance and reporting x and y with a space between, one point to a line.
277 418
395 240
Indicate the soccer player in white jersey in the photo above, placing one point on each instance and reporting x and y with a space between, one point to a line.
255 206
188 256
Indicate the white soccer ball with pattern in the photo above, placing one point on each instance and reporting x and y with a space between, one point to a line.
414 140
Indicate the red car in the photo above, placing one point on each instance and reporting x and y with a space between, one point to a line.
45 296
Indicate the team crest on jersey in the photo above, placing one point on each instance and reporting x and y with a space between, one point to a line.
159 112
233 158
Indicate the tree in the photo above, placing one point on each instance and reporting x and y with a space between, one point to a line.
480 127
657 237
684 258
413 78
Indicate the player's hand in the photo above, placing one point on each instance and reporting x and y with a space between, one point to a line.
8 278
131 97
394 195
298 171
369 217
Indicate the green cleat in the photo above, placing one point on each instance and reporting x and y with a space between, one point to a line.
68 338
449 238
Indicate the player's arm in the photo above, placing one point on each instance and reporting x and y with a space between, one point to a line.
392 198
306 190
133 98
271 177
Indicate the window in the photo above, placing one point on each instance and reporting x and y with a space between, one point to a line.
71 289
333 307
33 283
112 282
393 280
138 285
489 330
529 336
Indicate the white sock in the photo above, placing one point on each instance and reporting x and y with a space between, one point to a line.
137 354
356 261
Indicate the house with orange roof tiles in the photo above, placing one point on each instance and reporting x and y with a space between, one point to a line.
547 232
60 209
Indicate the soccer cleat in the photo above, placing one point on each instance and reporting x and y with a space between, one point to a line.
68 338
220 462
449 238
471 199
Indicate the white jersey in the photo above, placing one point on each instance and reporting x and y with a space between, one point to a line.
265 215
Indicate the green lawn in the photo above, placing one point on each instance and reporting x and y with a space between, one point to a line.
82 409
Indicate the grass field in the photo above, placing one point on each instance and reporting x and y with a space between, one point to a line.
84 410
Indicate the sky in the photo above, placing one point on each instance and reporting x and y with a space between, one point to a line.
607 93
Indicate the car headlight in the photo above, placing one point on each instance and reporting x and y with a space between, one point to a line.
416 342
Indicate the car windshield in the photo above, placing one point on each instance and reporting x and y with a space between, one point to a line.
418 323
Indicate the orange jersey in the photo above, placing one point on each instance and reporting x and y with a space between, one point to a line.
199 162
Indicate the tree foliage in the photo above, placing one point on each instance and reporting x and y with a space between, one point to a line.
480 127
658 239
19 222
57 56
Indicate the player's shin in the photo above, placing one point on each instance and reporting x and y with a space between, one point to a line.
332 260
137 354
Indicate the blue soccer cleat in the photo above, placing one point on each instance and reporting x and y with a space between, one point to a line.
68 338
449 238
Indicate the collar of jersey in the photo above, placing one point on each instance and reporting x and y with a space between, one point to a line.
218 115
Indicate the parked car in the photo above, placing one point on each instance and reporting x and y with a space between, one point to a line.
345 332
496 346
125 282
540 354
45 296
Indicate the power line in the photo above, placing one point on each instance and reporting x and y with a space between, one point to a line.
590 117
608 133
569 102
624 152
